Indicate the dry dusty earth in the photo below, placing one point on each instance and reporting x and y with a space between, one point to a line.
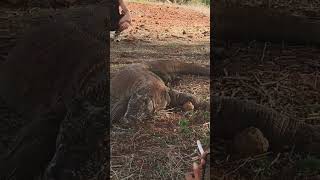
284 77
281 76
162 147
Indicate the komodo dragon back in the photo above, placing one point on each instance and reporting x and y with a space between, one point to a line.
53 59
170 67
14 25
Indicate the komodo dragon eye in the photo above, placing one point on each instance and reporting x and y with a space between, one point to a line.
150 106
167 98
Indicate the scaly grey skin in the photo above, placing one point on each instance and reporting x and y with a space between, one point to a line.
28 4
14 25
231 115
137 91
167 70
58 65
33 81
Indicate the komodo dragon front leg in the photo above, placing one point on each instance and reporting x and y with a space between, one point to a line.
178 99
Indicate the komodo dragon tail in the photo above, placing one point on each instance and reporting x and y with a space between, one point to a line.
171 67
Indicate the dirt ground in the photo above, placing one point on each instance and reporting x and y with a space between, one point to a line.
285 78
162 147
281 76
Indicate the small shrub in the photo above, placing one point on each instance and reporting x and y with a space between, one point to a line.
184 125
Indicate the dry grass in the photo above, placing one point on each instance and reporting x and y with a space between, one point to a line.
156 149
162 147
286 79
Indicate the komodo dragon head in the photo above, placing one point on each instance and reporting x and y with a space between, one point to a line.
139 93
141 107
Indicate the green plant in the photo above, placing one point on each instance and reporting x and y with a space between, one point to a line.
206 115
184 125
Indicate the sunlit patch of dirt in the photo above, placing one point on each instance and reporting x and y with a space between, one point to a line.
163 22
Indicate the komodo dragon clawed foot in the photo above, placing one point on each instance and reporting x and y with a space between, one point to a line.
178 99
138 90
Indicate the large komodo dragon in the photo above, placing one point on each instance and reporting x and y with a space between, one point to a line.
55 77
139 90
231 116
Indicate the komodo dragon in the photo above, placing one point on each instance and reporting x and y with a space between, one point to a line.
58 66
139 90
13 25
231 115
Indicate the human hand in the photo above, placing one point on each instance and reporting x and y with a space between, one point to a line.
123 26
197 169
126 16
125 21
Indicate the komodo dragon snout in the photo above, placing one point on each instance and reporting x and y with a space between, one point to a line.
146 101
